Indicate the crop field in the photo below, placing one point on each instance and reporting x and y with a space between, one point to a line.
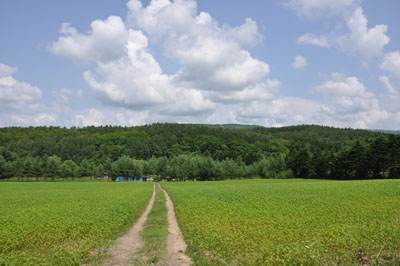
63 223
308 222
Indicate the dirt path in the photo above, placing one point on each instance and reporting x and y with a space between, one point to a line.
126 246
176 246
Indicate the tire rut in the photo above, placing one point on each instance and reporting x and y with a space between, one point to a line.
176 246
127 245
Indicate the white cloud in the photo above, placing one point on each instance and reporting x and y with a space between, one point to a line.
257 92
279 112
299 63
63 95
6 70
388 85
103 43
348 103
361 40
94 117
133 81
216 69
45 119
391 100
219 80
391 64
312 39
247 33
367 43
212 56
20 102
315 9
13 91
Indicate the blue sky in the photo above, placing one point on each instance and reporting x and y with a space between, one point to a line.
271 63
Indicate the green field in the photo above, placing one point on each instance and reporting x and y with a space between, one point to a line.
63 223
296 222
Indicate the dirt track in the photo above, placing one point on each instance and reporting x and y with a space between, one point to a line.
176 246
126 246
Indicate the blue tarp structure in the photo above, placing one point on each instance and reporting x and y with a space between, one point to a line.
123 178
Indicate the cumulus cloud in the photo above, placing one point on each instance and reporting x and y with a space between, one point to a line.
313 9
63 95
216 67
299 63
385 80
279 112
391 64
212 56
20 101
103 43
391 99
94 117
134 81
6 70
362 40
219 81
257 92
312 39
348 103
368 43
246 34
14 92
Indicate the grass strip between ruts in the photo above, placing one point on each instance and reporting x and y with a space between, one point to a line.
155 233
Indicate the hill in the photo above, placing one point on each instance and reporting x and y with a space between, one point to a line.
24 151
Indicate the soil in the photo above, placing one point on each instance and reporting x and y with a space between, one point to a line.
127 245
176 246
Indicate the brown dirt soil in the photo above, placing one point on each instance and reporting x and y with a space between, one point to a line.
176 246
127 245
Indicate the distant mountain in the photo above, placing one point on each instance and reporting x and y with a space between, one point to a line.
232 126
396 132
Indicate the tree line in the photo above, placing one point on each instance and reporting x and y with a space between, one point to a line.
182 167
378 159
201 152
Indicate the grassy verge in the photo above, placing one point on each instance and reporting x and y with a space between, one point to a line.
154 233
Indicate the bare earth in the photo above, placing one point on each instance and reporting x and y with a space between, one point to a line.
176 246
127 245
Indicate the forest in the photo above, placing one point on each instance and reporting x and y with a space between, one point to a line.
198 152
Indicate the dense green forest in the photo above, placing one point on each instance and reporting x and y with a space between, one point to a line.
201 152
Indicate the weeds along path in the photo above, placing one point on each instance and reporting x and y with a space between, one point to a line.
176 246
154 234
127 245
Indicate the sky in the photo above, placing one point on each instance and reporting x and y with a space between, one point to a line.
270 63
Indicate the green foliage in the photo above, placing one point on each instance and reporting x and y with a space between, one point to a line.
53 166
69 169
289 222
202 152
61 223
273 166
